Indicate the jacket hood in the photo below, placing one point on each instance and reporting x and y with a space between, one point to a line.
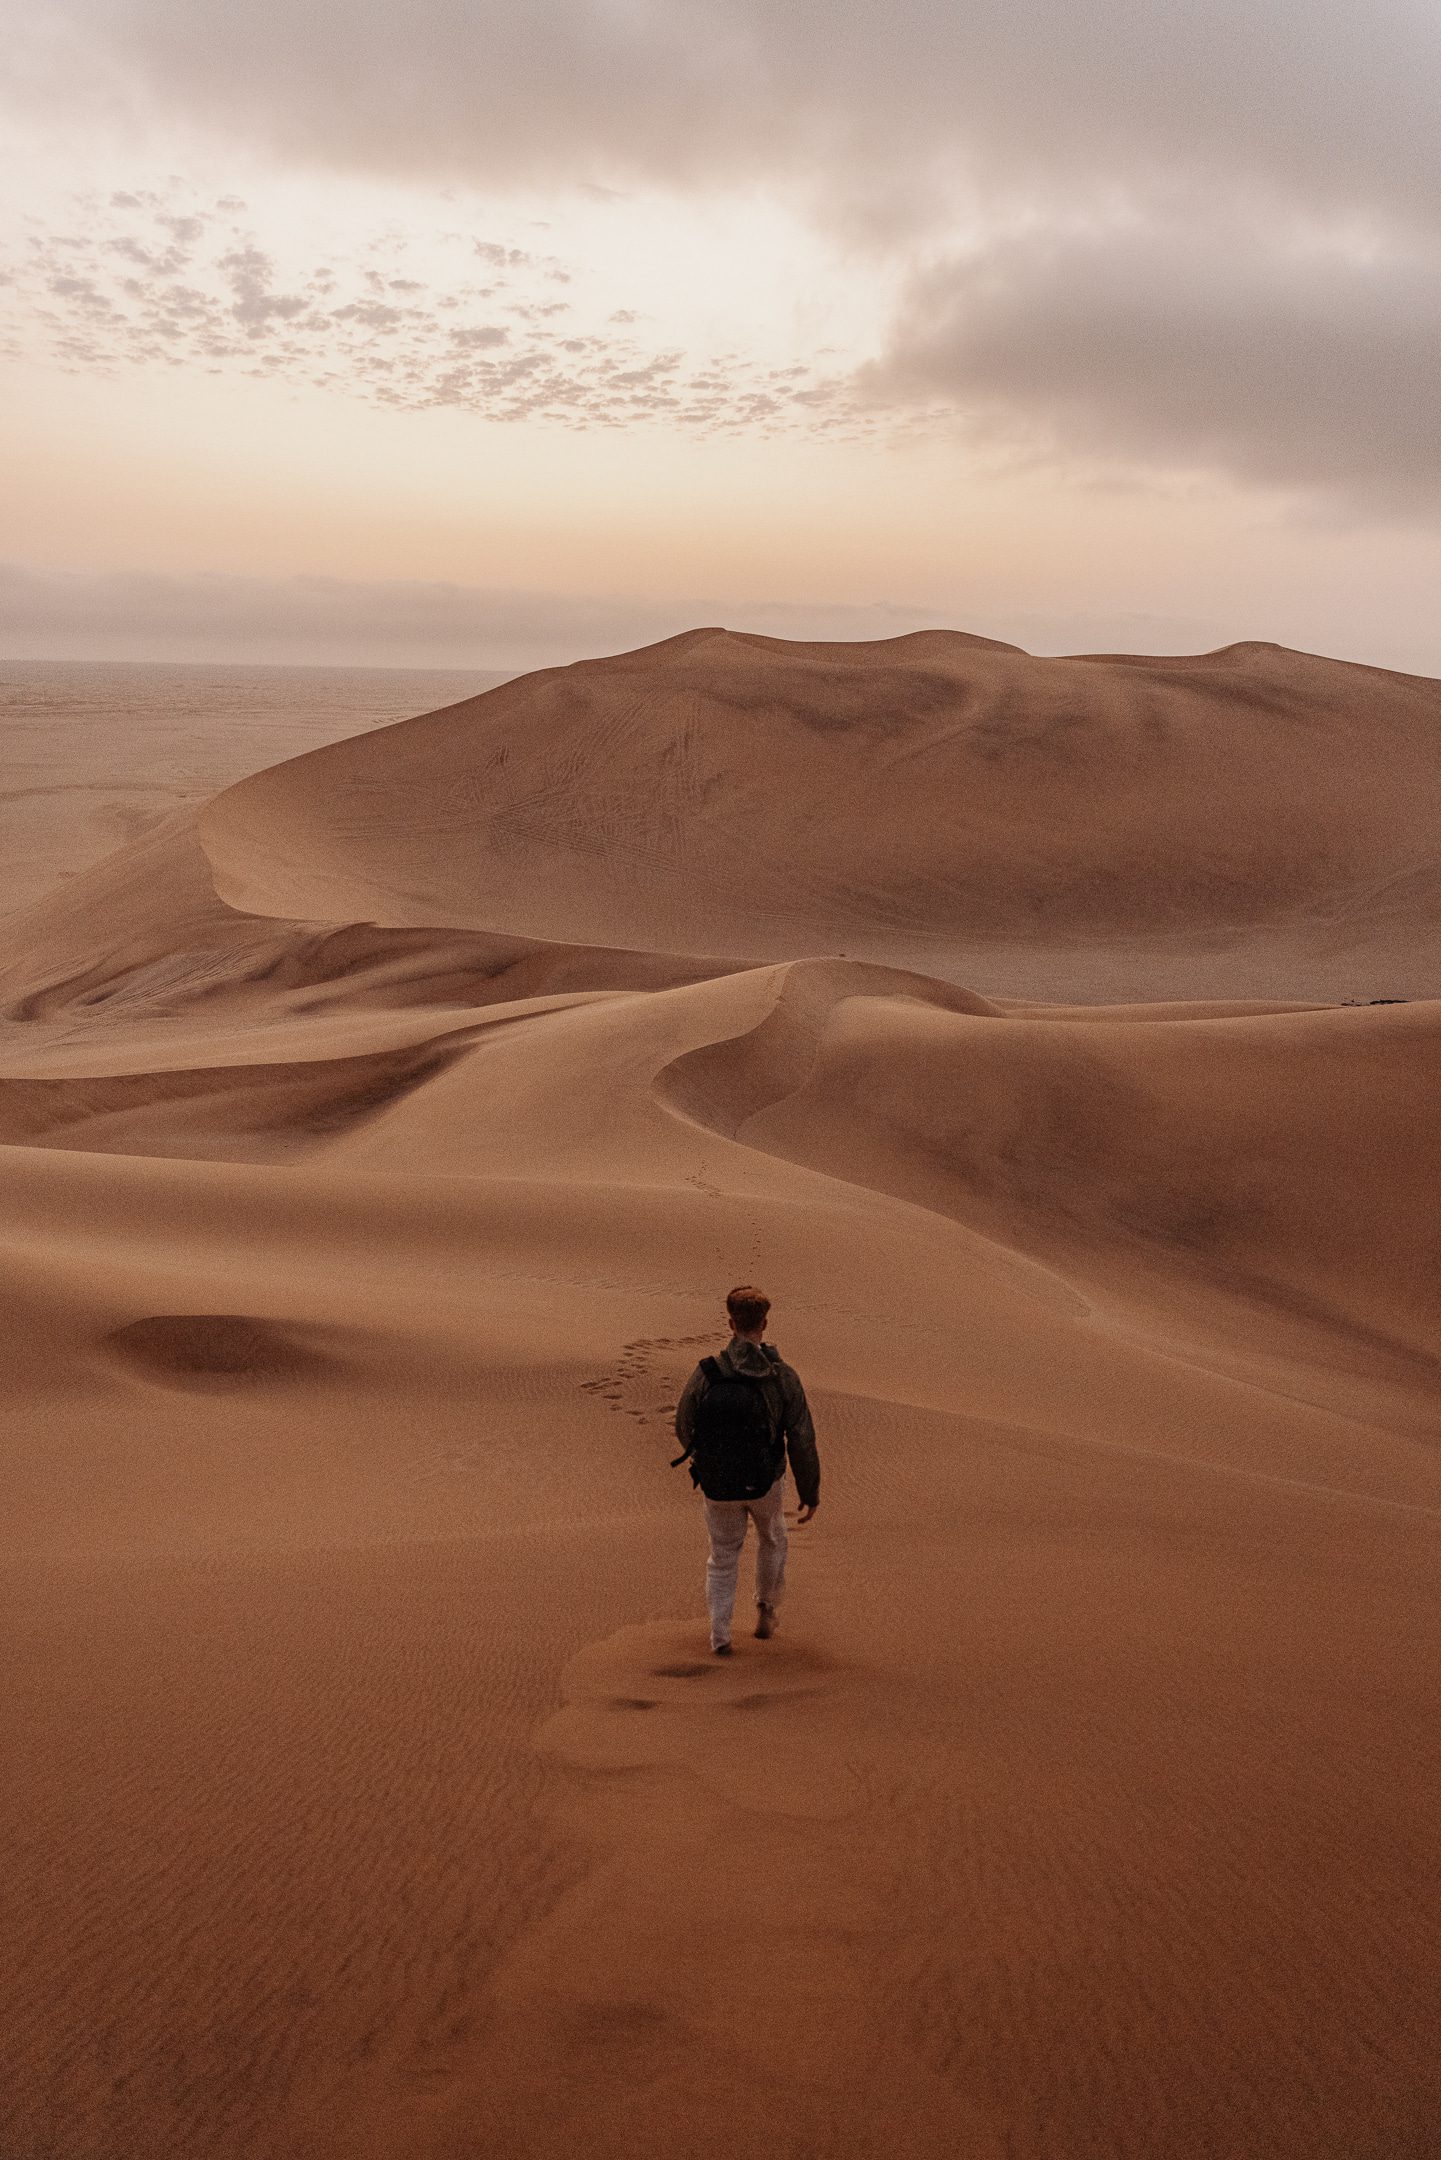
745 1357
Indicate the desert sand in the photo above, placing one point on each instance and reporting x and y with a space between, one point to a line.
378 1140
96 755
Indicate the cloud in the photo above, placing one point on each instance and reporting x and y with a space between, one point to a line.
1307 366
1198 237
154 278
50 614
115 615
72 615
876 102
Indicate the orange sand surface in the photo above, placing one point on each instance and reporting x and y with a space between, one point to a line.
377 1142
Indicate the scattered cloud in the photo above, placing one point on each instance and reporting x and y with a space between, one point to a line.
152 278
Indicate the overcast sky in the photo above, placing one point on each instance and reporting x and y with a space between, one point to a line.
497 335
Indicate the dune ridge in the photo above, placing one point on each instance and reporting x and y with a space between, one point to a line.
375 1144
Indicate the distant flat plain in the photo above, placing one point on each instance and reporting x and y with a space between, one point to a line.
96 753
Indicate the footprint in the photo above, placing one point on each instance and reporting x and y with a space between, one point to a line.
762 1698
645 1365
783 1754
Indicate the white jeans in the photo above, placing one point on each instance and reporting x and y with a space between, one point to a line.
726 1521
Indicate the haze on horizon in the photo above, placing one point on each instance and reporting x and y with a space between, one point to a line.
496 337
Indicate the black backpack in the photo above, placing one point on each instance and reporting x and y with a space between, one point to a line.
736 1453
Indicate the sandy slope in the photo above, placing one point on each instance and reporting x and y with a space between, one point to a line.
374 1793
1253 822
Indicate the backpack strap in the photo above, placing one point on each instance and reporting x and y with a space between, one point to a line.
712 1373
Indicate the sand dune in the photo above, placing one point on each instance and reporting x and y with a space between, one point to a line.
1254 822
375 1145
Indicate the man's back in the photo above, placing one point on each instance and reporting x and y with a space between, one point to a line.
741 1416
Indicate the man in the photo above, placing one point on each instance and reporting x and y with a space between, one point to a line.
740 1415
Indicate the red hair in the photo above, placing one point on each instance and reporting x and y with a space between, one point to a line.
748 1307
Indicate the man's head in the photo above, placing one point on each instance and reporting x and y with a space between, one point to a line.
748 1307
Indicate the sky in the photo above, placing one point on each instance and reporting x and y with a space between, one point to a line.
469 334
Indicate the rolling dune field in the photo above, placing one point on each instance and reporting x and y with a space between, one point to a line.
1057 1042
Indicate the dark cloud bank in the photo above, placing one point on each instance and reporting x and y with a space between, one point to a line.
1289 364
1327 102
